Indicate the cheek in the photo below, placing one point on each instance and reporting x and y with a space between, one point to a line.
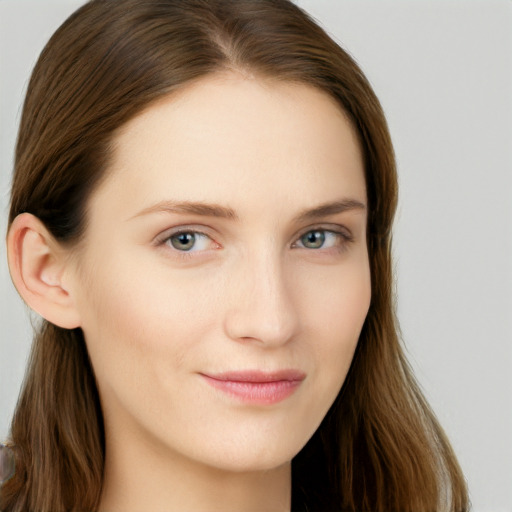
334 312
143 331
134 320
336 301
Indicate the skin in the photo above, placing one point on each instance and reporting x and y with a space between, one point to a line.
252 293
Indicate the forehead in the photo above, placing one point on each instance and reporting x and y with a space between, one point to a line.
238 140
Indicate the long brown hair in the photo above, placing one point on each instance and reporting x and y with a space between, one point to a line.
380 447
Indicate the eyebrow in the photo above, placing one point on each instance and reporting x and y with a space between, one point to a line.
196 208
215 210
331 208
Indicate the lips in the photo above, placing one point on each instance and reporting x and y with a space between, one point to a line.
255 386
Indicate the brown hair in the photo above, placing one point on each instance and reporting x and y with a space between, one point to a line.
380 447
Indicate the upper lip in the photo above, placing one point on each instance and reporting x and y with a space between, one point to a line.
258 376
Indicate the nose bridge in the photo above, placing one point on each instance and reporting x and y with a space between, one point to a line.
262 306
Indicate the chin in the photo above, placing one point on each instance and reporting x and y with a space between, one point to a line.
252 463
253 455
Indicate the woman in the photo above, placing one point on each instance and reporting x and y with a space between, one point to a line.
201 212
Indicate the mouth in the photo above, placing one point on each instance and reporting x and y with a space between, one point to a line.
255 386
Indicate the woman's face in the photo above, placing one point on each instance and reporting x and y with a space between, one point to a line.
224 278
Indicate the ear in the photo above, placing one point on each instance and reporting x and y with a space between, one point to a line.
37 264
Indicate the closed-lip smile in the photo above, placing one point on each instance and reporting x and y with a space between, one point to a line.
256 386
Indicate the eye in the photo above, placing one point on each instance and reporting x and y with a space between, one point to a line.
189 241
322 239
313 239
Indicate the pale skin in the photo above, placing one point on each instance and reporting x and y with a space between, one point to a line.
230 234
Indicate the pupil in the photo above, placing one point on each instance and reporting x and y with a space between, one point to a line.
183 241
314 239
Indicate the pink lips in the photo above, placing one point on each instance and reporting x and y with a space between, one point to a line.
255 386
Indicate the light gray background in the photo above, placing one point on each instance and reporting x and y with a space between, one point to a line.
443 72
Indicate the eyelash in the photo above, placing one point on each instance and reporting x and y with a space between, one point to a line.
344 239
166 240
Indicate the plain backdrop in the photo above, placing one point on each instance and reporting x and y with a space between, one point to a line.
443 72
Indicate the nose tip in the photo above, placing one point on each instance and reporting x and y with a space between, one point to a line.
262 308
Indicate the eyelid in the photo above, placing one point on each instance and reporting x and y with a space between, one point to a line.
336 229
161 238
330 228
343 234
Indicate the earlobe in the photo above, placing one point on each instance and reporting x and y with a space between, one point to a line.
37 264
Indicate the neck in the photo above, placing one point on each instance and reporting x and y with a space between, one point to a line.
138 477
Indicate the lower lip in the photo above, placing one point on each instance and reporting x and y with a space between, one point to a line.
261 393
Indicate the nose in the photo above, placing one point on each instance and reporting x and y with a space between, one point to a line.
262 308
